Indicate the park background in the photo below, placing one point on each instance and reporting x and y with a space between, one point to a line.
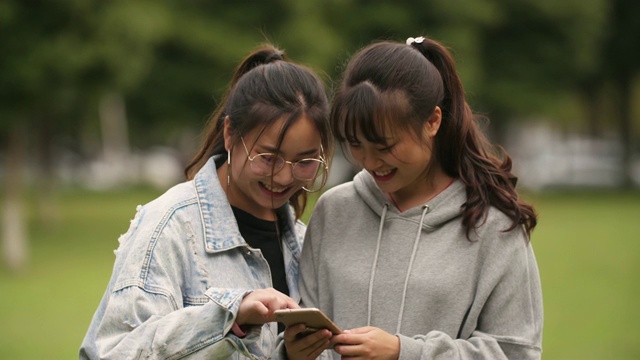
102 103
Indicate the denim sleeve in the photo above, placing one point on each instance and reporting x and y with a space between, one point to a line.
140 324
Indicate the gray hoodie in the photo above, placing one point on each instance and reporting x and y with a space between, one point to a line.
415 274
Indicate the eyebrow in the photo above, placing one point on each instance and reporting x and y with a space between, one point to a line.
271 149
388 143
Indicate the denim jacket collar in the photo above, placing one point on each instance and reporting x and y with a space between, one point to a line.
225 235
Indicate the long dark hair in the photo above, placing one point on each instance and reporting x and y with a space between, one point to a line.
389 85
265 88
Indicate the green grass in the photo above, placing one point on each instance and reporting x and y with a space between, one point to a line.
587 246
45 312
588 250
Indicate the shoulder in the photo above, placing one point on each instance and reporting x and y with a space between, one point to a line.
496 237
174 209
495 220
178 196
154 216
335 209
338 194
337 201
158 235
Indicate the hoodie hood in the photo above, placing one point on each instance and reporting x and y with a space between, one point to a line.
446 206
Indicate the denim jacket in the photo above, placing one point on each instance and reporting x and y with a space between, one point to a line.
180 273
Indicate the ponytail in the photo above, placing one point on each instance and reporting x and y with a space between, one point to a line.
453 105
214 140
261 56
463 151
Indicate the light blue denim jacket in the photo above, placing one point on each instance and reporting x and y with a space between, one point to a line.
180 274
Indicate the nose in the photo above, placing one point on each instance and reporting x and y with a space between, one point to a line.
366 158
285 175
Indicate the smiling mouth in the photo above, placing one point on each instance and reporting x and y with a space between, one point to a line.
274 190
383 175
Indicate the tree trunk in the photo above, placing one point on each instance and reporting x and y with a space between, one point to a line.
593 107
115 140
623 84
45 180
14 230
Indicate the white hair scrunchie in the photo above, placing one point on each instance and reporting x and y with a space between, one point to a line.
418 40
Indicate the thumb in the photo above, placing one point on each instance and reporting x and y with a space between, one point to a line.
291 304
261 309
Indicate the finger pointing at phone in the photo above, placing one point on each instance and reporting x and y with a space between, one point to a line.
259 306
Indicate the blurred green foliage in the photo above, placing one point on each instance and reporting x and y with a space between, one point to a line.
585 246
171 60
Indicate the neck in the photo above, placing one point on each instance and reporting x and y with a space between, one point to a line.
419 195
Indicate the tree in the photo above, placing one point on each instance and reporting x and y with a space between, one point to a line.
534 55
58 60
621 62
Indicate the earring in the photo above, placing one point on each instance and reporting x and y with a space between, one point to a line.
228 167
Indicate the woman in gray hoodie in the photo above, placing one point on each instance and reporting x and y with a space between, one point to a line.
426 253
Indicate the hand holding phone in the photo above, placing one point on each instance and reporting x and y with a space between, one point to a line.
313 318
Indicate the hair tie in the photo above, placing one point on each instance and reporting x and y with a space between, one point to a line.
418 40
273 57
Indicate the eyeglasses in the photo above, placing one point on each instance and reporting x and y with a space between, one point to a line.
310 170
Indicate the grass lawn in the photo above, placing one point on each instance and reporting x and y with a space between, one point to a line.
586 245
588 250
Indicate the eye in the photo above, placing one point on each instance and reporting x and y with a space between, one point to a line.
307 162
354 144
386 149
268 159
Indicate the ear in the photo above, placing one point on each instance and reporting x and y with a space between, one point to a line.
433 124
228 133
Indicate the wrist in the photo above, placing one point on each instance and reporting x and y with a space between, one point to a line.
237 331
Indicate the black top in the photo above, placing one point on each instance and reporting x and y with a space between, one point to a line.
263 234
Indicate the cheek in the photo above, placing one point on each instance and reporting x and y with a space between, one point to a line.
240 170
414 153
356 153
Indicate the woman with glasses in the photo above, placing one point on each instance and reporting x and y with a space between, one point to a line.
202 268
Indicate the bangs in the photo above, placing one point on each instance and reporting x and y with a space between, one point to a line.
375 115
264 115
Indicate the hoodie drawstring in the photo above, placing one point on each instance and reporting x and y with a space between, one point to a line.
425 210
375 263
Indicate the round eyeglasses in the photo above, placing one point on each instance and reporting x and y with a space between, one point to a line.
312 170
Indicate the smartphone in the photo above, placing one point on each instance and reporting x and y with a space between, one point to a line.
312 317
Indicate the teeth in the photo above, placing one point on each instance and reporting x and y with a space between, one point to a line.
274 189
382 173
